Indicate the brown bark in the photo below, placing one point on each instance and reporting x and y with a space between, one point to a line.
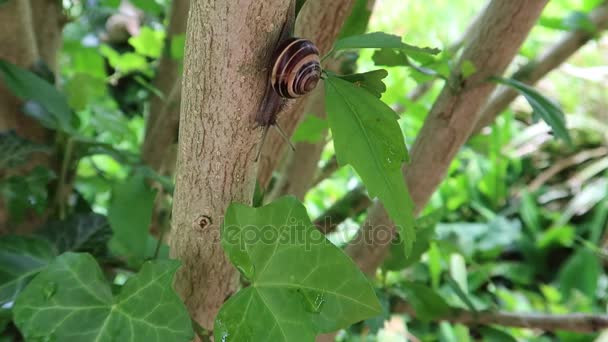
575 322
227 53
496 40
30 31
319 21
536 70
163 120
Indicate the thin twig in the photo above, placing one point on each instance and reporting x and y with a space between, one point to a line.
575 322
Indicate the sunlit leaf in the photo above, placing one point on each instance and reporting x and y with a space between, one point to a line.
301 284
542 106
149 42
71 301
310 130
368 137
380 40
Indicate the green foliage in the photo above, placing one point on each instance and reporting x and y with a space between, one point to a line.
71 301
301 284
148 43
130 223
20 259
79 233
380 40
546 109
55 112
367 136
22 193
370 81
15 151
310 130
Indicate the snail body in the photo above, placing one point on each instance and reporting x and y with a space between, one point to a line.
295 70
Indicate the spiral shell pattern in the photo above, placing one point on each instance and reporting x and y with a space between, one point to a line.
296 69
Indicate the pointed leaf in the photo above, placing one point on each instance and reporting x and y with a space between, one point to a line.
301 284
368 137
379 40
547 110
72 301
371 81
27 86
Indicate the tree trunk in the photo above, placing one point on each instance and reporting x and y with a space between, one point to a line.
162 125
30 31
228 51
500 32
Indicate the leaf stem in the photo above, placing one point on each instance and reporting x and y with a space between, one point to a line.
65 164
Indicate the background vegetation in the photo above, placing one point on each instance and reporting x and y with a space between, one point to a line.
517 227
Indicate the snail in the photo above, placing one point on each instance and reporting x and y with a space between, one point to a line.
295 70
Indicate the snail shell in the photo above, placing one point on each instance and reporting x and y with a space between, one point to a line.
296 69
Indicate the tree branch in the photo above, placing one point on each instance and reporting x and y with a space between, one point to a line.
576 322
500 32
163 121
536 70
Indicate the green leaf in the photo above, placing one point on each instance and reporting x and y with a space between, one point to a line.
149 42
15 151
368 137
150 6
299 5
371 81
396 260
25 192
543 107
71 301
28 86
79 233
494 335
126 62
82 89
357 21
178 43
380 40
581 272
301 284
130 214
21 258
310 130
427 303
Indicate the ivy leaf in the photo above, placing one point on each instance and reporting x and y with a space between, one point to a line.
15 151
310 130
368 137
547 110
149 42
27 86
371 81
380 40
301 284
130 214
20 259
71 301
79 233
